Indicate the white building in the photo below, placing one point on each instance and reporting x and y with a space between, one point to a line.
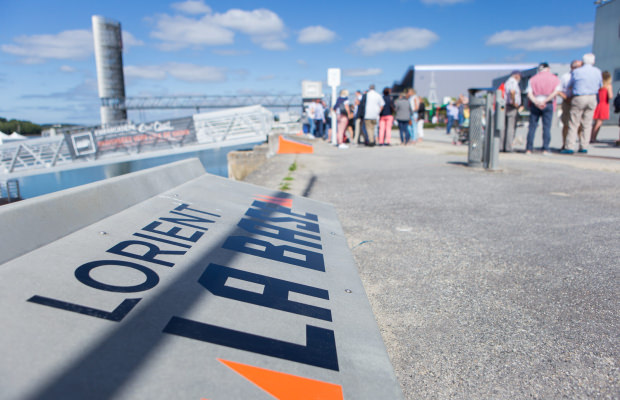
606 45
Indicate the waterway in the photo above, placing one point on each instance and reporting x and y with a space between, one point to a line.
213 159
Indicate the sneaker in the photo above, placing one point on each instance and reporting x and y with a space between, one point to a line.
343 146
585 151
546 152
567 151
528 152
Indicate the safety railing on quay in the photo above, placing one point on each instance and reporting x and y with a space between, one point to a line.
245 123
9 191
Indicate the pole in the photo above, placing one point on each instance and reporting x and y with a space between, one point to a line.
333 80
333 114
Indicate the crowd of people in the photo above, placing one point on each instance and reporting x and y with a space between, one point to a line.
367 118
586 93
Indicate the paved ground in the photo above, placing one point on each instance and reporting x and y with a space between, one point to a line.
485 285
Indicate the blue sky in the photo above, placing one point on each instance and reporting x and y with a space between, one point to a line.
48 75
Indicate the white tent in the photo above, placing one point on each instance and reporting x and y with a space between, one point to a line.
3 137
17 136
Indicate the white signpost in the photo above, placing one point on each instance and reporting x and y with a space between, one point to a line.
333 80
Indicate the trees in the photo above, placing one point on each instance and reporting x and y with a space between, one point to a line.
23 127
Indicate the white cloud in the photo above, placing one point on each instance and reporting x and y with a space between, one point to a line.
67 68
130 40
66 45
545 38
145 72
264 27
257 22
398 40
363 72
183 72
178 32
192 7
316 34
196 73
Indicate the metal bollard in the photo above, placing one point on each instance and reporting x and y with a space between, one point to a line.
496 122
478 99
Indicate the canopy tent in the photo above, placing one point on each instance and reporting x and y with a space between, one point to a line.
3 137
17 136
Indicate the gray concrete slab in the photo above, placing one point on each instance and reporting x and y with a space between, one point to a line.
206 290
38 221
485 285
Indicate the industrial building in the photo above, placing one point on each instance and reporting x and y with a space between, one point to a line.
606 44
438 82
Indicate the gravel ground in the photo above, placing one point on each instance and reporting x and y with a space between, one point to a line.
485 285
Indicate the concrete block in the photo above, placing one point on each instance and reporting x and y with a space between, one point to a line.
211 289
31 223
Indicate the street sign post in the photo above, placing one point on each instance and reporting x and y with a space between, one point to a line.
333 80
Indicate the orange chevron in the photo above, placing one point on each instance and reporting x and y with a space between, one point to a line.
285 386
286 146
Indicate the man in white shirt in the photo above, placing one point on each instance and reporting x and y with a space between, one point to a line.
513 105
319 119
374 105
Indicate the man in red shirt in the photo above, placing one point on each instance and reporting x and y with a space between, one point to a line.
541 91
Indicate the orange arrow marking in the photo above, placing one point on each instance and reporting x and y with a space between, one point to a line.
285 386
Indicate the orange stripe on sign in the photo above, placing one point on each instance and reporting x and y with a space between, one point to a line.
285 386
286 202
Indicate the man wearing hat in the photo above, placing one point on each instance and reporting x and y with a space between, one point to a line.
542 89
513 105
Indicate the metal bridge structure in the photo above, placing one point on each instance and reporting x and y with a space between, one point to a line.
82 144
278 101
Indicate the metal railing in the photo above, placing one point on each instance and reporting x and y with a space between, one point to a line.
204 102
236 123
247 123
34 153
9 191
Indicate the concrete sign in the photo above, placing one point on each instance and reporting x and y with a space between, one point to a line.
212 290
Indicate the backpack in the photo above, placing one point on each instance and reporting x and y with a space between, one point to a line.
617 102
340 106
361 108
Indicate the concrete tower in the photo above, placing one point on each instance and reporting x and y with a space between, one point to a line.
109 60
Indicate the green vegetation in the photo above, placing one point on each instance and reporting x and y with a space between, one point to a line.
23 127
287 180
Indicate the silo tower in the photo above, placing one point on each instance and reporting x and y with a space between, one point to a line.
110 78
